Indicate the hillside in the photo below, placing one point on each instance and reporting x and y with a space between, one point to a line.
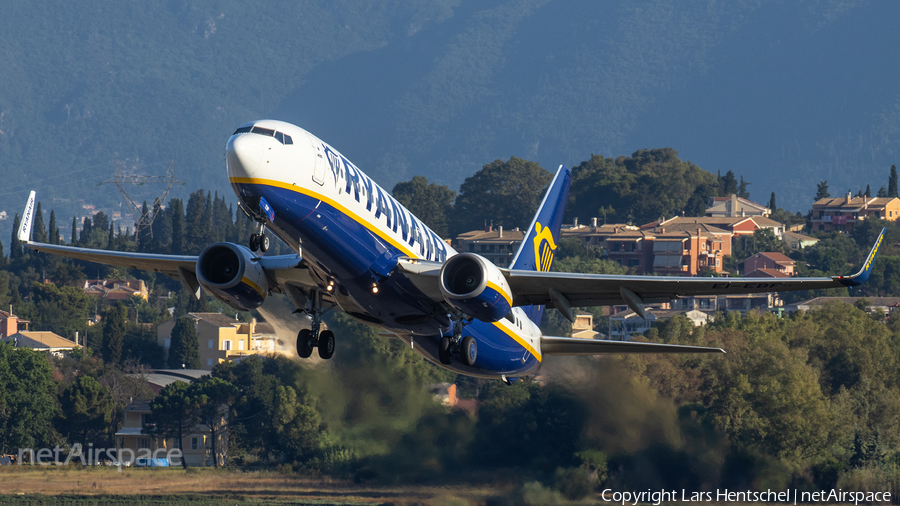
785 93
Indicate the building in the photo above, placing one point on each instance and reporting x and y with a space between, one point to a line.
734 206
684 249
737 226
887 305
222 338
41 341
583 326
197 445
444 393
797 241
11 324
116 289
496 245
768 265
842 213
624 324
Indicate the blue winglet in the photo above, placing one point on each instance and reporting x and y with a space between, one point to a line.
863 275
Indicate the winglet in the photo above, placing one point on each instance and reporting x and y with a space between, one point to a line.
24 233
863 275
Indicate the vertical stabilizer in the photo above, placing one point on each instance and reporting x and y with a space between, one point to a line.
24 233
537 251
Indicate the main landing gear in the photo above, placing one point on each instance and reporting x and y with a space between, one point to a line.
311 338
466 347
259 240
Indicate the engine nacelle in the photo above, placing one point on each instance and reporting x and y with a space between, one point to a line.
229 272
475 286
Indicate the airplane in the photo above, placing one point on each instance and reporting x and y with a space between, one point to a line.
358 250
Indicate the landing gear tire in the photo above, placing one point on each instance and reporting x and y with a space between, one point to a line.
468 352
254 242
326 344
445 352
305 343
264 243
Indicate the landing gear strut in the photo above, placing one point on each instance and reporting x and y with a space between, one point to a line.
310 338
466 347
259 240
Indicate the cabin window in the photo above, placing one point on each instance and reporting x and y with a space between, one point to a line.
280 137
287 139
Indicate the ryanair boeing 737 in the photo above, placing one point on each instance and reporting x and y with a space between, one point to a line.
359 251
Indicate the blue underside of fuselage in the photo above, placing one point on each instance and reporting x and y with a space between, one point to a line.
357 258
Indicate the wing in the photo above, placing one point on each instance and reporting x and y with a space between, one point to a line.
572 346
285 273
565 290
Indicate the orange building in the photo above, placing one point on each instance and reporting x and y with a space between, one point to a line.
843 213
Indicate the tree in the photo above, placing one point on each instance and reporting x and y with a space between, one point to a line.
892 182
27 400
86 410
53 231
772 206
113 334
431 203
175 412
38 230
214 396
868 191
184 349
641 188
297 425
175 213
882 192
742 189
15 246
729 185
822 191
505 193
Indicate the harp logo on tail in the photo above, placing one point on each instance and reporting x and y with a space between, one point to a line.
544 246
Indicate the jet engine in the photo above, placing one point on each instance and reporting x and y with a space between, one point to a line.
475 286
231 274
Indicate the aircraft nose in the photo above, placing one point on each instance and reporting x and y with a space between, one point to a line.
243 155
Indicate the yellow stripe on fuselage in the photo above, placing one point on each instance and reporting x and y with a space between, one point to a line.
500 291
309 193
519 340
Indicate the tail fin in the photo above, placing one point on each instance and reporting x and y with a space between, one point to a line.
539 246
24 233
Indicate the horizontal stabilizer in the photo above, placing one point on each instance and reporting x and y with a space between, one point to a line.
573 346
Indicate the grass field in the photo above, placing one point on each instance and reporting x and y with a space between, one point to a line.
199 487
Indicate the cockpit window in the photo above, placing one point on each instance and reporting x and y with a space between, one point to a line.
279 136
263 131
